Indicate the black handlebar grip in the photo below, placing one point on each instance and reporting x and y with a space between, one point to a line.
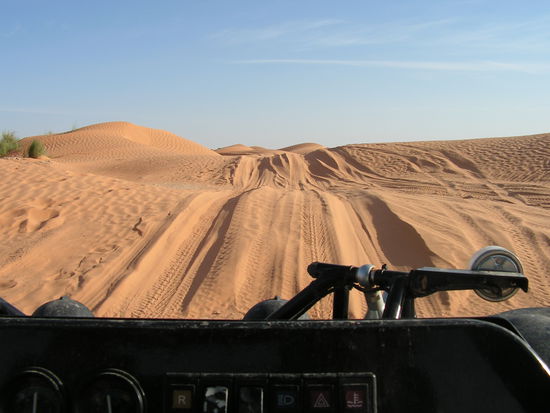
317 269
312 269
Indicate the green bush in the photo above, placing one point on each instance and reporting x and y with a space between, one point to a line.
36 149
8 143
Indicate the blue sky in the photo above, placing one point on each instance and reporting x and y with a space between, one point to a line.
276 73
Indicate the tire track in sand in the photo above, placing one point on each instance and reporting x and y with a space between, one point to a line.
136 254
151 275
532 256
208 264
179 275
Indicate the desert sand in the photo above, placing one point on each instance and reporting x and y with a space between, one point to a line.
138 222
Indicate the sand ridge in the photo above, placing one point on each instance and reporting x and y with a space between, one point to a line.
105 140
137 222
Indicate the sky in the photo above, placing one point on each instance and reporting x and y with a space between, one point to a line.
278 73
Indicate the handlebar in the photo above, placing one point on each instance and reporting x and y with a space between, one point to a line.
402 287
423 281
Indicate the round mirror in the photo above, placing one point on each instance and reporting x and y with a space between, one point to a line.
495 258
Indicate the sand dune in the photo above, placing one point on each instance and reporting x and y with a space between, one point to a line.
303 148
136 222
130 152
238 149
113 139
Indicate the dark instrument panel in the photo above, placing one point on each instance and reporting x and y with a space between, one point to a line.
123 365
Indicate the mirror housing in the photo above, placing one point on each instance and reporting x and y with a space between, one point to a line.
495 258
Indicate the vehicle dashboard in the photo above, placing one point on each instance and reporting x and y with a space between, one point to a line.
362 366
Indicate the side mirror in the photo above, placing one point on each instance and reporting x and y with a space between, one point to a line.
495 258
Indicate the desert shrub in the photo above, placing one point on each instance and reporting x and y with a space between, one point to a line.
8 143
36 149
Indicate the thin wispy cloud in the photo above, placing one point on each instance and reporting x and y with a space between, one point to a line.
11 31
456 35
482 66
371 34
332 32
527 35
275 31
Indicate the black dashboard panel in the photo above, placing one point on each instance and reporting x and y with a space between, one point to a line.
122 365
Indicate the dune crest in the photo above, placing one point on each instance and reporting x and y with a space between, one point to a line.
303 148
108 138
127 151
137 222
238 149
